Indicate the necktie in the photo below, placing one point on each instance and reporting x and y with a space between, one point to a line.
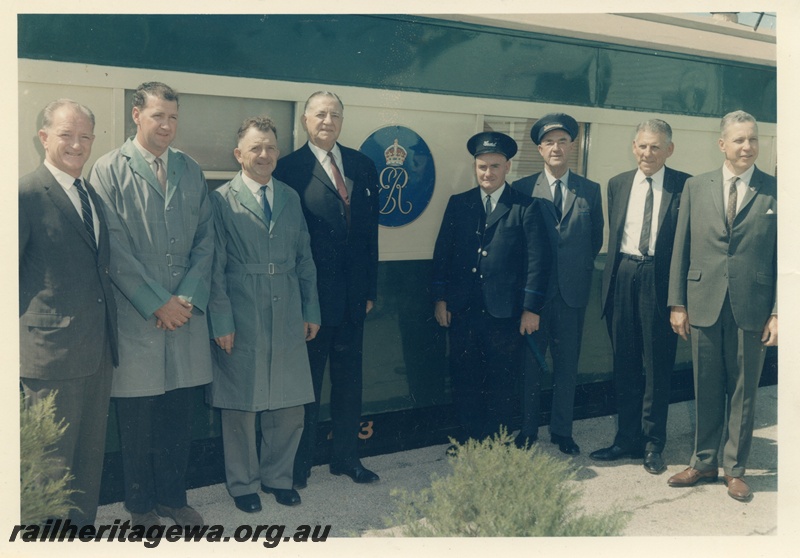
730 214
488 205
337 177
558 200
161 174
265 204
644 239
86 211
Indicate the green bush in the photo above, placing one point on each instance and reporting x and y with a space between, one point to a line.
44 480
498 490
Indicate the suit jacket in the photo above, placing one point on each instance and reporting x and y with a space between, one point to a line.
346 259
66 303
264 286
706 264
576 240
619 190
505 259
161 245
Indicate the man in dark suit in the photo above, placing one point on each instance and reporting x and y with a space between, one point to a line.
642 212
67 316
722 292
572 212
338 189
490 269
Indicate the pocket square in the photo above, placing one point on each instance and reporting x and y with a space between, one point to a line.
769 211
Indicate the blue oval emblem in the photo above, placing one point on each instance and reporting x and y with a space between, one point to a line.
405 171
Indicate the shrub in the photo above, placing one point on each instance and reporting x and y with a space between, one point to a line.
44 480
498 490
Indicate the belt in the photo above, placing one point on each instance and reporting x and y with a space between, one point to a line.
638 259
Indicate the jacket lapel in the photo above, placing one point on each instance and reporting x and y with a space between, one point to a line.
542 190
246 198
140 166
715 191
60 199
569 198
278 199
175 170
750 193
667 192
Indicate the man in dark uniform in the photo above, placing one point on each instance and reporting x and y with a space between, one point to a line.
572 211
490 269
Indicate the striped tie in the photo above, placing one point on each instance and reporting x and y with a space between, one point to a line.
86 211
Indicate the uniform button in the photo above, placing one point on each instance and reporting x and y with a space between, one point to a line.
174 273
484 253
172 241
272 235
275 298
481 276
100 300
169 208
479 250
474 270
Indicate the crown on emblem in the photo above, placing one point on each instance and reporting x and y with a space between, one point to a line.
395 155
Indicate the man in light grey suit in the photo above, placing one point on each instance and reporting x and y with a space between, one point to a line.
263 297
67 315
572 211
722 292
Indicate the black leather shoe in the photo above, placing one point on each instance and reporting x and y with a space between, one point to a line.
249 503
615 452
523 441
284 496
357 472
301 481
565 444
654 463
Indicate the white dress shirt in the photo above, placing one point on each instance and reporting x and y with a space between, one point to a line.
255 188
741 186
325 161
634 218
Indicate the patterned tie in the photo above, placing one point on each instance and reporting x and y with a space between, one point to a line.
488 205
265 204
644 239
733 196
558 200
161 174
86 211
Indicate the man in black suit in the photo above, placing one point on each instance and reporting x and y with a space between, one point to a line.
490 269
67 315
642 213
572 212
338 189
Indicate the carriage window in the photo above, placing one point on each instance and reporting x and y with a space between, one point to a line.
207 128
528 161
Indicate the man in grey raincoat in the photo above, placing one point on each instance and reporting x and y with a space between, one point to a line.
162 248
264 307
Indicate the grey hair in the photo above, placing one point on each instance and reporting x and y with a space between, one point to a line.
735 117
322 94
655 125
53 106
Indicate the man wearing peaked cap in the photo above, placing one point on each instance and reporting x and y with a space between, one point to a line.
571 209
492 142
490 270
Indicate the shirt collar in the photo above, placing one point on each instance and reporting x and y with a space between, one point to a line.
551 179
658 176
745 177
65 180
254 186
321 154
148 156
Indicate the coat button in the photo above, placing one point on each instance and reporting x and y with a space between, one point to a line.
484 253
474 270
479 250
100 300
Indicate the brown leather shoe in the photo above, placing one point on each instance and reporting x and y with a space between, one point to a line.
738 489
691 476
